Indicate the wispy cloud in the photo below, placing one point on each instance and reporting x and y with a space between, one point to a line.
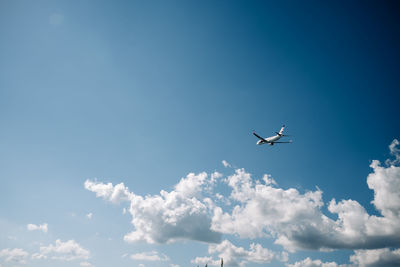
16 255
226 164
395 152
149 256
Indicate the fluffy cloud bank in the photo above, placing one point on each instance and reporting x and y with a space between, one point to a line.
296 221
261 209
183 213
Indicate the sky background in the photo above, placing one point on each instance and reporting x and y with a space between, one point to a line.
145 92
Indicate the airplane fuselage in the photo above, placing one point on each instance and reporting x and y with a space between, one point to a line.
269 140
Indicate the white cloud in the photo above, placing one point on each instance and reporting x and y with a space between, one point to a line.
89 215
174 265
115 194
67 251
205 260
149 256
314 263
232 254
16 255
183 213
264 210
376 257
296 221
214 177
238 256
261 209
38 256
394 151
141 265
226 164
42 227
86 264
386 185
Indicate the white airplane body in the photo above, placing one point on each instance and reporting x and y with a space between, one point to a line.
272 139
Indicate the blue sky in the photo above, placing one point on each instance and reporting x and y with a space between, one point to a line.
146 92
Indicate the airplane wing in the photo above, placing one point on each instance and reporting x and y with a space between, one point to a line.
259 137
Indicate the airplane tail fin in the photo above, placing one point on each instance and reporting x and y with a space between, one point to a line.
281 131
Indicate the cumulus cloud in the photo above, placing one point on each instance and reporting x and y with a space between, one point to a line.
296 221
149 256
42 227
183 213
89 215
67 251
261 209
376 257
386 185
238 256
314 263
16 255
114 194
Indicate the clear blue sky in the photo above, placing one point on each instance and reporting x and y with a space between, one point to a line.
145 92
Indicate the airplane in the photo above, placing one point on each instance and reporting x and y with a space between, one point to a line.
272 139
